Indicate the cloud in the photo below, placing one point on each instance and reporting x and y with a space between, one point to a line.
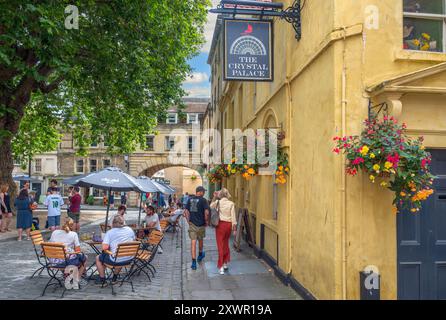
197 77
209 28
198 92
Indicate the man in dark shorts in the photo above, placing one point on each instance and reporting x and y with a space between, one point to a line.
75 208
197 215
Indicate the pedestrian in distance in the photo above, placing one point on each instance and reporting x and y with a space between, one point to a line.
54 203
75 209
24 205
5 208
226 224
197 216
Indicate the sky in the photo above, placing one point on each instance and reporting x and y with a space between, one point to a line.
198 84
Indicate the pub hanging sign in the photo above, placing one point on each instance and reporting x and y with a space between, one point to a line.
248 50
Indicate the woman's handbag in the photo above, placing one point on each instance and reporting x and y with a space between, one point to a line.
215 215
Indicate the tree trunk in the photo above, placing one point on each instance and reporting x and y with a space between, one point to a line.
6 166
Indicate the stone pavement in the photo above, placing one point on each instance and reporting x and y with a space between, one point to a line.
18 262
248 278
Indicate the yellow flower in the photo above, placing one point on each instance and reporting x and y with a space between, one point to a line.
388 165
403 194
233 171
395 210
416 42
229 167
376 167
364 150
383 184
425 47
372 156
426 36
281 168
251 171
413 210
422 147
372 178
287 169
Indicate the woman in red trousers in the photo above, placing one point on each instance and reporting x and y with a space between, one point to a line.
227 223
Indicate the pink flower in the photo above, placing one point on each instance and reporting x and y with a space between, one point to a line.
358 161
336 150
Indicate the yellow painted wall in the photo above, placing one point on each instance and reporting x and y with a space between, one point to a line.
329 232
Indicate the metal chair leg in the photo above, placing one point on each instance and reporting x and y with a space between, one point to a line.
40 270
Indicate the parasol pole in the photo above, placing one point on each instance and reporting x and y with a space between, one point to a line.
140 208
108 208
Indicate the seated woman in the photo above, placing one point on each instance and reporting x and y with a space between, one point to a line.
71 241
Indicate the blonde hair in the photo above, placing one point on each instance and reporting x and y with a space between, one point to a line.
224 193
68 226
4 187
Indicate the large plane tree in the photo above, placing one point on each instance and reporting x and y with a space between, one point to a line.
107 75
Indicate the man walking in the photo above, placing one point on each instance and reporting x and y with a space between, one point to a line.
197 215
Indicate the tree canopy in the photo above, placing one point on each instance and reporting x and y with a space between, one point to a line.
109 79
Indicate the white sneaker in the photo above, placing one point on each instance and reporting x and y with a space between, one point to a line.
225 266
222 270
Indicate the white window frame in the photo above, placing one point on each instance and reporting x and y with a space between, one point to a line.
153 143
193 143
168 118
40 165
103 163
432 17
167 141
89 165
83 166
189 118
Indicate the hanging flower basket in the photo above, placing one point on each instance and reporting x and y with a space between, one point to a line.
383 150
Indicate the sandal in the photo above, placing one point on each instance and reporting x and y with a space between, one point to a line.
19 239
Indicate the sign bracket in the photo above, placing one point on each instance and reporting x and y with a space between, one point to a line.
291 14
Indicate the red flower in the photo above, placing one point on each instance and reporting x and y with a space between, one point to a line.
336 150
358 161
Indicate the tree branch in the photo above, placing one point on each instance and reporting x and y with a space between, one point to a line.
52 86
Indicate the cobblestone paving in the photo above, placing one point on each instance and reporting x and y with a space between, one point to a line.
18 262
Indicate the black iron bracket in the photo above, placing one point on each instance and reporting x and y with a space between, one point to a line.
263 9
377 109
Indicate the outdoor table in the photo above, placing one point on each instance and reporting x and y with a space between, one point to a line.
93 245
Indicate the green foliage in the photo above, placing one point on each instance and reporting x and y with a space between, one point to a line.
90 200
110 79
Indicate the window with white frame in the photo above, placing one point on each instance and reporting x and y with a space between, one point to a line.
191 143
150 143
172 118
38 165
424 27
192 118
80 166
106 163
93 165
170 143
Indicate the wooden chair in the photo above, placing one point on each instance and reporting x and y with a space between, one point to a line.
127 250
164 225
147 254
102 226
52 250
37 239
